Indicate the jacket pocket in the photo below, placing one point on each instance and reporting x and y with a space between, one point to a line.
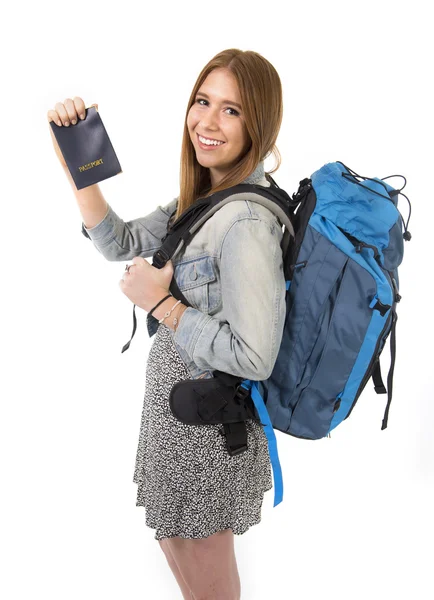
197 280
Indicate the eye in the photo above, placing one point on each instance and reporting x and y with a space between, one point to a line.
233 110
236 113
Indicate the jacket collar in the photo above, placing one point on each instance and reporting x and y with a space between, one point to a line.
257 174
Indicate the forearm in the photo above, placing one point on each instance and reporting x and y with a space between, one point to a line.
212 344
202 351
90 200
119 240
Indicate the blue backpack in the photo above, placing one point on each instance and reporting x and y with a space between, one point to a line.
342 246
341 306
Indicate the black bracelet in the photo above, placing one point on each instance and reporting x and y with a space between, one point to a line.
165 298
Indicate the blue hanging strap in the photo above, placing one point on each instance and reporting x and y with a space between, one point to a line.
269 432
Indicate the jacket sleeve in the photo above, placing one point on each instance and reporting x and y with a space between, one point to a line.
253 290
118 240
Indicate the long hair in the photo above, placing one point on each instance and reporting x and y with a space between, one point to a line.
261 98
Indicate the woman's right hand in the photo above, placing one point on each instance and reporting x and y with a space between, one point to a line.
66 115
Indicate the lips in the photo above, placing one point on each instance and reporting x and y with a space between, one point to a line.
208 147
207 138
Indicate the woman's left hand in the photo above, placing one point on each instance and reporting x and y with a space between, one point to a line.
146 285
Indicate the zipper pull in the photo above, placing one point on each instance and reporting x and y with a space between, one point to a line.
362 245
299 265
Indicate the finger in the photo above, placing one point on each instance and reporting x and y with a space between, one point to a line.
139 260
79 107
53 116
62 112
70 109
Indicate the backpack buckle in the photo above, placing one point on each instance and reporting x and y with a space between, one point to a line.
382 308
242 393
236 437
303 189
160 258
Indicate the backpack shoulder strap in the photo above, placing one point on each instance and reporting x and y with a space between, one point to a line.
276 200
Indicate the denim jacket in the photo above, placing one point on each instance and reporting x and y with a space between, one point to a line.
231 272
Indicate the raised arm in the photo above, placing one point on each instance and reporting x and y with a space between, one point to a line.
114 238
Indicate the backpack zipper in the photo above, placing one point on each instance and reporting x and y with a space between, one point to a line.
360 245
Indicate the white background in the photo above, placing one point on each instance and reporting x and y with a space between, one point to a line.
357 519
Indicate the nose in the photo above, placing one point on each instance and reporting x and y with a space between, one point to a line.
210 120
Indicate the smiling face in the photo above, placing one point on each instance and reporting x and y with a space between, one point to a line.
216 115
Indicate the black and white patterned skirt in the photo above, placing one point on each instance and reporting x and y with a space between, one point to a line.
187 481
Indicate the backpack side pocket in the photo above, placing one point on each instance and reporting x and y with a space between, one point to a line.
343 337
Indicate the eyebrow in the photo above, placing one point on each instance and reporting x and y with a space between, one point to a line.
223 101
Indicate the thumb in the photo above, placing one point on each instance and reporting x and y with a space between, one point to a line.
168 270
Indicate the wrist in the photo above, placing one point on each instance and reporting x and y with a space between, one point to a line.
165 306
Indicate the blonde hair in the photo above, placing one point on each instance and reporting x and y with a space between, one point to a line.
261 98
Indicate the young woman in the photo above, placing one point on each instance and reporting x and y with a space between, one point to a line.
196 495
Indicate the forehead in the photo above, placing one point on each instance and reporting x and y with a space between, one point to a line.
221 84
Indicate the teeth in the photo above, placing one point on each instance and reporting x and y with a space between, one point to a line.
210 142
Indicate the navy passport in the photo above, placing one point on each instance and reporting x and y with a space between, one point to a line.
87 150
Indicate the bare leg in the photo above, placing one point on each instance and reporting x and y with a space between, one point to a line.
208 565
186 593
236 576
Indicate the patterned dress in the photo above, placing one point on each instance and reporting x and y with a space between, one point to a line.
188 483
